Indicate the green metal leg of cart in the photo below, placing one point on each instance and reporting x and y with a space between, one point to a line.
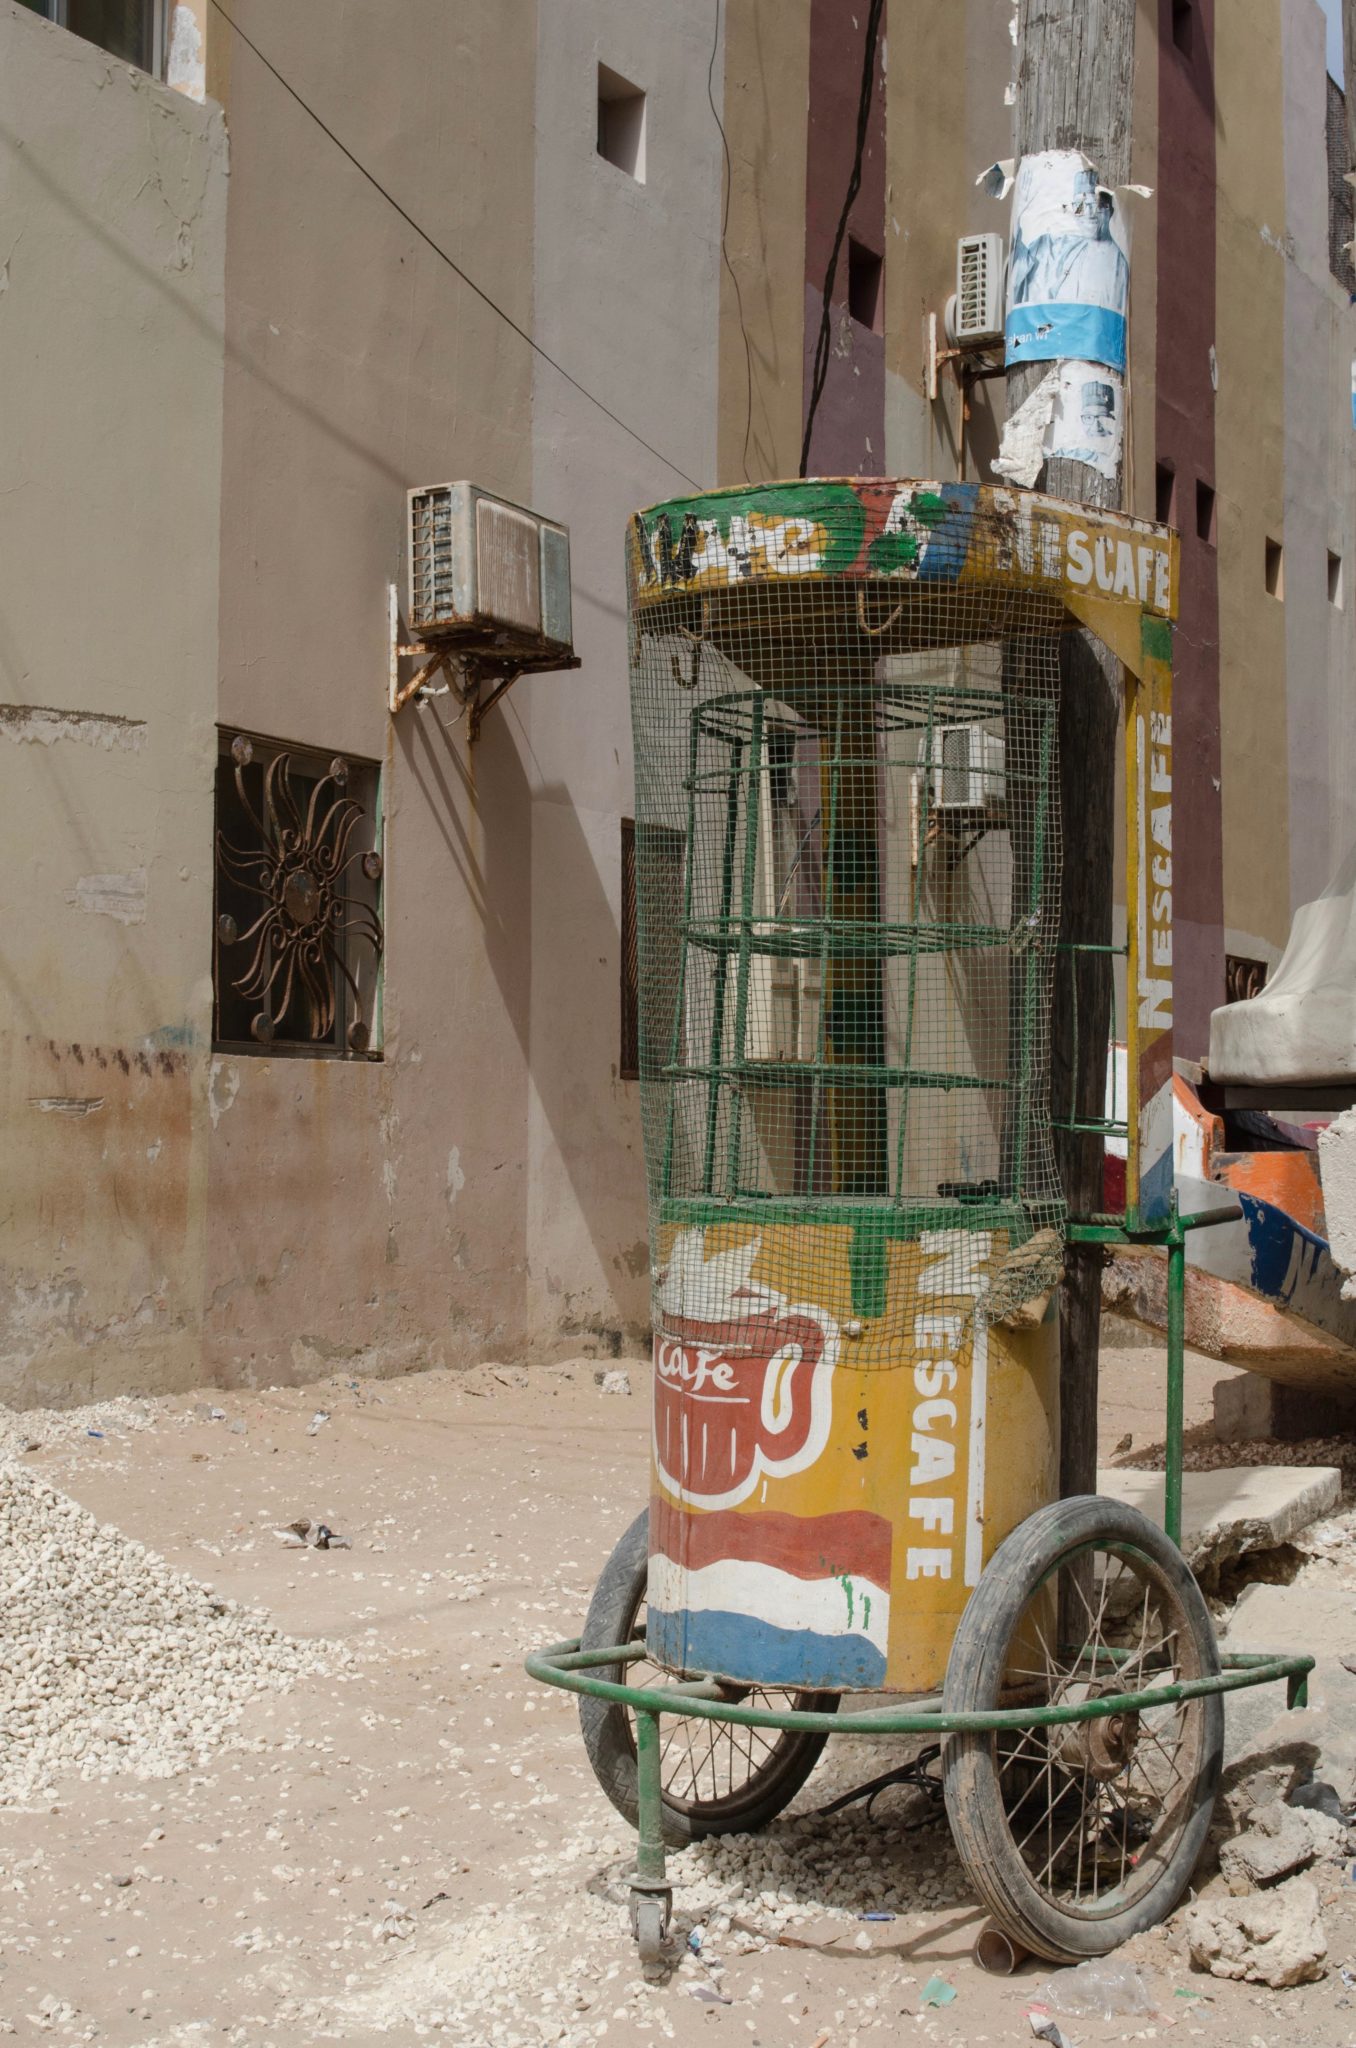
651 1892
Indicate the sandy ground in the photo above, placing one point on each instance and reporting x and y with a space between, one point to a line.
414 1846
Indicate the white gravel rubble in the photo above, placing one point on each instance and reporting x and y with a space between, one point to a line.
113 1661
503 1976
44 1429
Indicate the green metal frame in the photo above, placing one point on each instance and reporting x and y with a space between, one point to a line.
568 1666
737 932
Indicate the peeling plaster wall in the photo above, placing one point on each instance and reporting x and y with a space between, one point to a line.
359 364
111 273
628 297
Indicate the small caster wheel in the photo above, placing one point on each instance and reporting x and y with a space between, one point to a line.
649 1924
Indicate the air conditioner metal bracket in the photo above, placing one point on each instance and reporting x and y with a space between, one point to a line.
477 675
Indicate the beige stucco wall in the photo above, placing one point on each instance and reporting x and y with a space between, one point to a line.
627 299
1250 459
762 284
947 122
376 1213
110 482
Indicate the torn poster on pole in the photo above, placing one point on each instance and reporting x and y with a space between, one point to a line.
1069 274
1077 412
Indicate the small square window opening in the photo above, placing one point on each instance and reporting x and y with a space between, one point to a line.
297 934
1334 580
1275 569
621 123
865 270
1205 512
1165 494
1243 978
1183 25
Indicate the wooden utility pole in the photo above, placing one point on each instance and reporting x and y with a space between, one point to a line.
1075 81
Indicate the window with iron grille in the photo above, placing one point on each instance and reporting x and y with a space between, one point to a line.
297 934
650 1035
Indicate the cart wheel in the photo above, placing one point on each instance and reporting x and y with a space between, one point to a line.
1079 1835
719 1779
649 1925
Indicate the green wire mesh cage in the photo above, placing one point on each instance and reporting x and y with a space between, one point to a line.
847 857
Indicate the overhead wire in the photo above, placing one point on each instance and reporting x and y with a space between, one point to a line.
854 186
449 260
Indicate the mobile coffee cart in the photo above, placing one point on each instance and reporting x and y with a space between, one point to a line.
847 846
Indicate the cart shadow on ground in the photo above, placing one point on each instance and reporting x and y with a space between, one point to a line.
888 1881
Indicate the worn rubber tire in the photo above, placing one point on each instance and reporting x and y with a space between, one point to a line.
974 1679
607 1730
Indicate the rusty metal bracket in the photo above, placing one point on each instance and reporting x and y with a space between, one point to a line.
477 678
972 361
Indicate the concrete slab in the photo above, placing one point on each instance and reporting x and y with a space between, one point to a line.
1309 1619
1233 1509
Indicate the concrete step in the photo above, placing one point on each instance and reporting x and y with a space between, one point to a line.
1234 1509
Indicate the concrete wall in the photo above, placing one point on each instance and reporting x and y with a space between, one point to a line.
947 121
114 191
1320 331
378 1212
628 298
260 391
762 283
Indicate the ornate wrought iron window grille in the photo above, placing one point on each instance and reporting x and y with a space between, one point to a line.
298 939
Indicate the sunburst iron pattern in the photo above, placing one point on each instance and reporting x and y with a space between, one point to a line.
300 870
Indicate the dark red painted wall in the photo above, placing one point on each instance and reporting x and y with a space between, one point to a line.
849 431
1185 435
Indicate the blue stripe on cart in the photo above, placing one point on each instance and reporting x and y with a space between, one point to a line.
709 1640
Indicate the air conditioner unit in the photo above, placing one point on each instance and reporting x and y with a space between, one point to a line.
976 311
478 563
967 768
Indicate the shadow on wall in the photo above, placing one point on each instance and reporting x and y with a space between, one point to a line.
493 785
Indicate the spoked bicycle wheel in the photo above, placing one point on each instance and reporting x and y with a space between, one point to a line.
1078 1835
718 1778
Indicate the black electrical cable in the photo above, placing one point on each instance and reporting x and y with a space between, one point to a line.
451 263
821 366
724 253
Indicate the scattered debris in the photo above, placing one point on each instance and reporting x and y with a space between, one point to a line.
1318 1797
937 1991
1047 2029
304 1535
1279 1840
1274 1937
317 1421
615 1382
395 1923
1105 1987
